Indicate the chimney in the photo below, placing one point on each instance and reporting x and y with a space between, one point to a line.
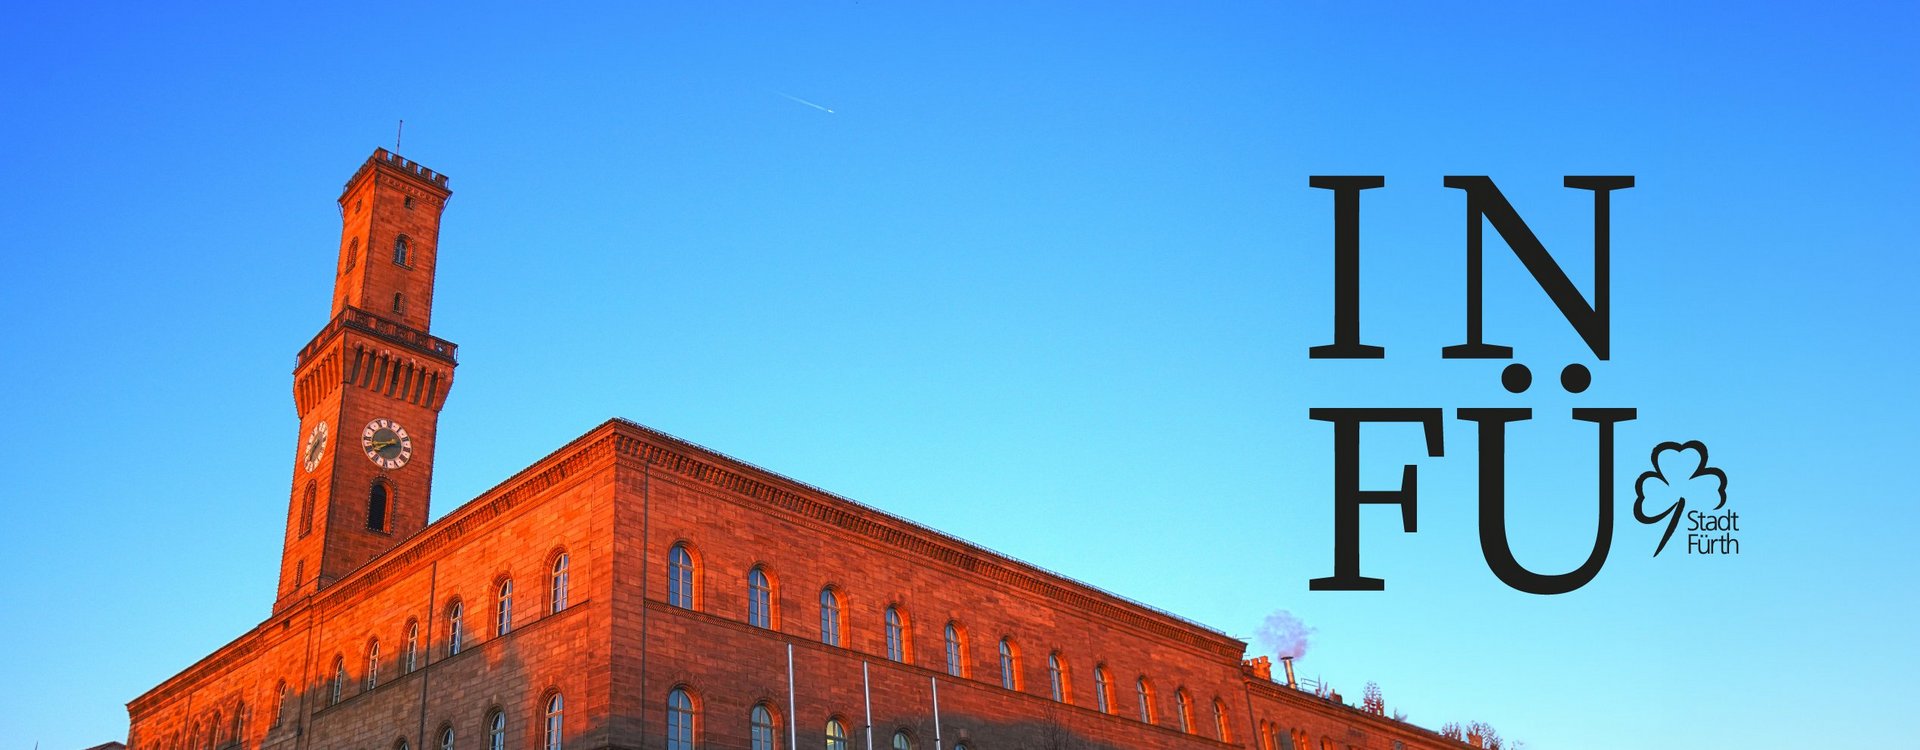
1287 661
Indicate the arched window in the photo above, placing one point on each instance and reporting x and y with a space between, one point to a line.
896 635
679 720
1220 728
759 598
829 617
902 740
555 725
353 254
412 661
373 664
400 250
680 577
956 651
454 629
1145 691
503 608
1057 676
239 728
836 735
400 744
1184 708
763 731
1102 691
306 515
399 303
446 738
377 506
557 591
497 731
279 703
1008 672
339 680
213 731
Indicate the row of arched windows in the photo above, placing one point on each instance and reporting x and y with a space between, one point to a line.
412 655
1273 737
217 730
763 612
551 717
684 727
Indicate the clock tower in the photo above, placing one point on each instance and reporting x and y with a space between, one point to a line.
369 386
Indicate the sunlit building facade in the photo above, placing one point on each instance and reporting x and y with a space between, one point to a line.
635 591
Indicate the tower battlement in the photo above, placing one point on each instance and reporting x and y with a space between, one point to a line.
401 164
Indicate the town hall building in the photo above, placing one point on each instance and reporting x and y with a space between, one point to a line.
633 591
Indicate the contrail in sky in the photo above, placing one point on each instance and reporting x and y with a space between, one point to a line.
808 103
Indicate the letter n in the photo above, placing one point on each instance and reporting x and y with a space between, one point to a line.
1485 204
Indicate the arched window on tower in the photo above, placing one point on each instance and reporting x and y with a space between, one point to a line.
378 500
412 659
1009 663
503 608
306 513
956 651
896 635
764 734
555 725
557 593
373 664
1057 676
680 577
400 257
759 598
339 685
679 720
829 617
353 254
455 630
399 303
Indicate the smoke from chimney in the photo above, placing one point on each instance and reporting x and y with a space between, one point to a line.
1285 635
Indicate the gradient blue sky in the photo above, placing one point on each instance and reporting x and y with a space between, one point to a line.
1045 279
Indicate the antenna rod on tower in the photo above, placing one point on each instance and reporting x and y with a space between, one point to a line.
396 135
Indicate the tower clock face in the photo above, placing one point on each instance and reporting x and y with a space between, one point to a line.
316 446
387 443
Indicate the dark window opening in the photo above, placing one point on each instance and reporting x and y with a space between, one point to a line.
399 303
400 250
377 507
306 511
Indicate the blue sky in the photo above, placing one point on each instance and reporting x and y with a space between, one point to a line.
1045 279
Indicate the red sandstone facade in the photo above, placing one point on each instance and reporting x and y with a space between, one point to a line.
626 564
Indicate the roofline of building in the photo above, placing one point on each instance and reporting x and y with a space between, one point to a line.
939 536
1385 724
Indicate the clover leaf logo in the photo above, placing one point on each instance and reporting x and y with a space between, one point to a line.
1680 472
